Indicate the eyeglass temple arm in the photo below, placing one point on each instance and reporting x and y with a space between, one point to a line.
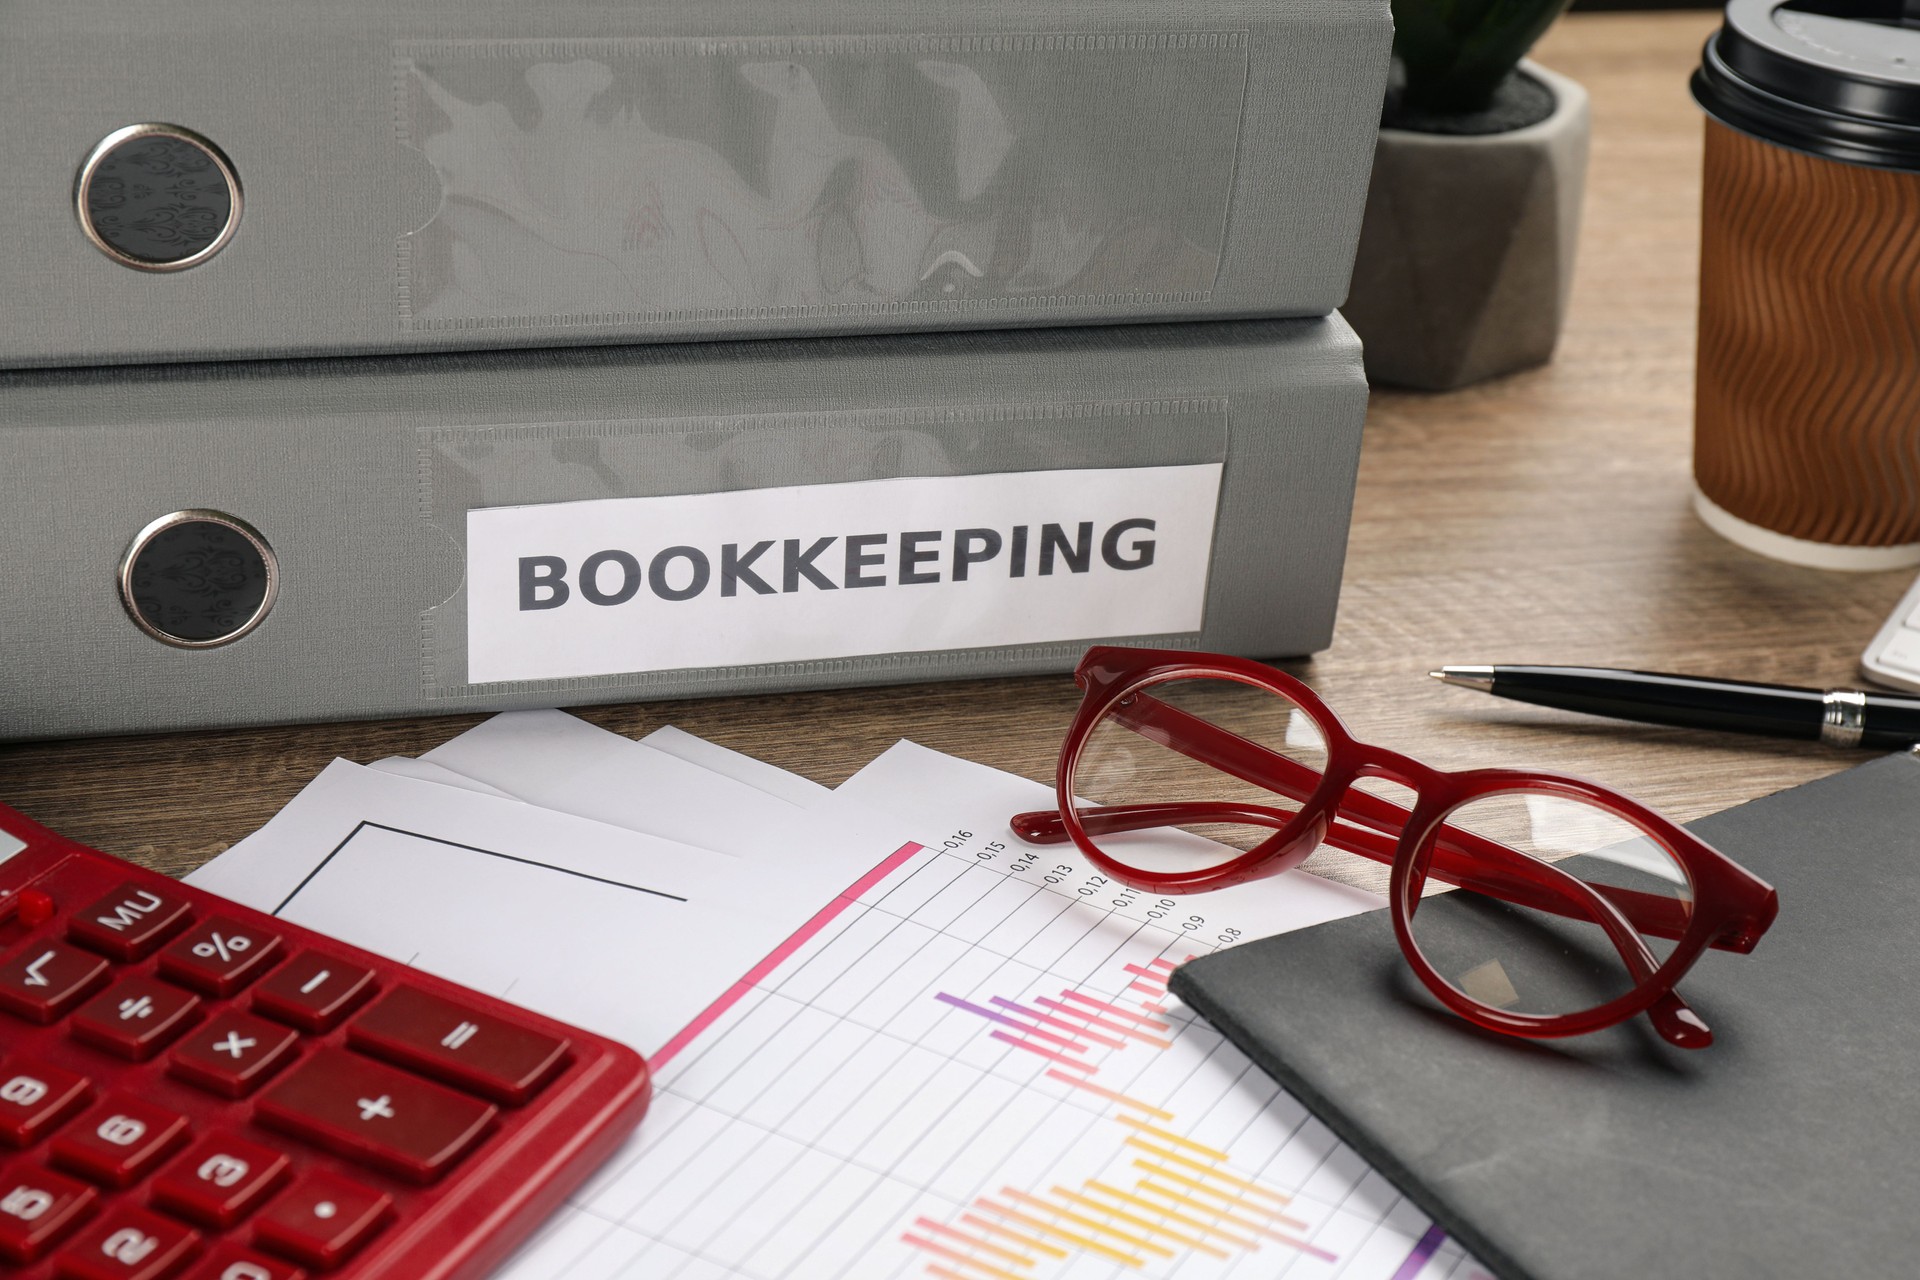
1461 857
1650 913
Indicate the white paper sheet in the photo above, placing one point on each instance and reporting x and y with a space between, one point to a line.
757 774
952 1034
623 933
426 771
858 1106
930 790
561 762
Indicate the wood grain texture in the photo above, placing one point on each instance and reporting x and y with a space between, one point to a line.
1807 393
1539 518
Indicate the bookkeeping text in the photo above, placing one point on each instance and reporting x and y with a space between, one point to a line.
789 565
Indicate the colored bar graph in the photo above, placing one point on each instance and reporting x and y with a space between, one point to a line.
1107 1006
1061 1058
1038 1034
1048 1019
1111 1095
1171 1196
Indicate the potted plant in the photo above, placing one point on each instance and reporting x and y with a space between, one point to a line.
1466 250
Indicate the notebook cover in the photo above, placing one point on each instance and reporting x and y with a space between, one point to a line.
1787 1148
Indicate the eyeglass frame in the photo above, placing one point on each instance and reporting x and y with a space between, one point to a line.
1730 908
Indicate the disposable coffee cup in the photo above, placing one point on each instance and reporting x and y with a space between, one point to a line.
1807 396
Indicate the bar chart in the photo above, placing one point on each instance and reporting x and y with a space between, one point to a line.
969 1068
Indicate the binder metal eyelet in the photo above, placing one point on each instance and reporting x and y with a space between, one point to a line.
157 197
198 579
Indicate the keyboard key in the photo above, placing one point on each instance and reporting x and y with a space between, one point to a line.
219 1180
131 921
136 1017
233 1054
229 1262
218 957
322 1219
375 1115
313 991
119 1140
34 1097
462 1046
128 1244
43 980
37 1208
1903 651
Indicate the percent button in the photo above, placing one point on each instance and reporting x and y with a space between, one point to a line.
220 956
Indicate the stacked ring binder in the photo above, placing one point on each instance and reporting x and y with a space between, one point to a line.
459 357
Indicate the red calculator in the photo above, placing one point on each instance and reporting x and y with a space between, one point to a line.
194 1090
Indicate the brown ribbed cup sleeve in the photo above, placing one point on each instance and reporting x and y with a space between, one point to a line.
1807 400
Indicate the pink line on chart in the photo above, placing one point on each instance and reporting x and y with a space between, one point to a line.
801 936
1060 1058
1140 971
1052 1021
1116 1010
1163 963
1151 988
1016 1023
1099 1021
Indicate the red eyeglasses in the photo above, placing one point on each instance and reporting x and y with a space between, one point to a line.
1167 782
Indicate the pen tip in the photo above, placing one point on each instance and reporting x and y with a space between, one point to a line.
1474 677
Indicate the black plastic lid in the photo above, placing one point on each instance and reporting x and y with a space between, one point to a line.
1834 78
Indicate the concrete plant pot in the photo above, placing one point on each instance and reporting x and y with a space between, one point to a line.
1466 251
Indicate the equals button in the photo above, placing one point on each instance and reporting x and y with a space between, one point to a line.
458 1045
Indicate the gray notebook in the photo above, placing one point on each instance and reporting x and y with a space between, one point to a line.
1790 1147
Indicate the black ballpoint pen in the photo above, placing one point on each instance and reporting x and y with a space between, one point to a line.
1837 717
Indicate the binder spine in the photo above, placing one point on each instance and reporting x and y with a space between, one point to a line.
564 175
1007 494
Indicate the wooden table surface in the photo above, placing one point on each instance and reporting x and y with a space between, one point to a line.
1543 517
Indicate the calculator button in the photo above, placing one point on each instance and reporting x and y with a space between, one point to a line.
375 1115
136 1018
131 921
313 991
217 957
44 980
322 1219
230 1262
119 1140
462 1046
233 1054
37 1207
128 1244
219 1180
35 1097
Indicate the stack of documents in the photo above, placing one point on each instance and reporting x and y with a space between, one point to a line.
889 1039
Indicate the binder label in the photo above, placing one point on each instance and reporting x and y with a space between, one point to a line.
618 586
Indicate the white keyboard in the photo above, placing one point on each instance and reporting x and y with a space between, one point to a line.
1894 656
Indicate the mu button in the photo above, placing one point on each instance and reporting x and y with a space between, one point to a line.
375 1115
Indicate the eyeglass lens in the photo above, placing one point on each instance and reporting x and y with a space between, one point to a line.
1557 956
